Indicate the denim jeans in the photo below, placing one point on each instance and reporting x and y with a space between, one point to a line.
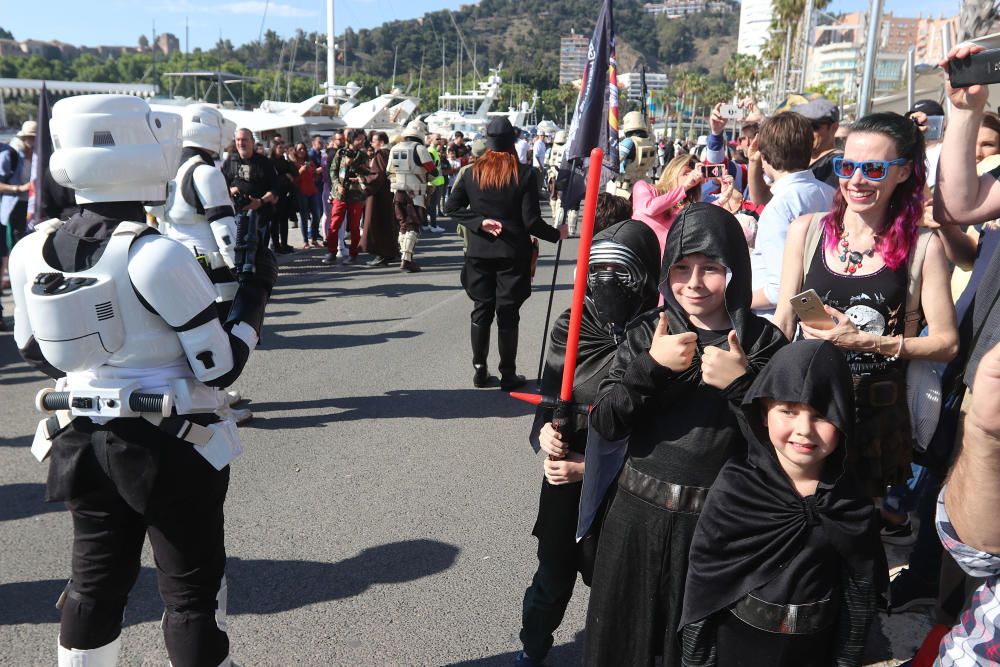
310 212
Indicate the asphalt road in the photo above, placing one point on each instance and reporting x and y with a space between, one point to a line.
382 510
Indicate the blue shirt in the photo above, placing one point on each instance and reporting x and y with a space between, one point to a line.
792 195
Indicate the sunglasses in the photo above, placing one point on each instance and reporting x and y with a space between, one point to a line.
873 170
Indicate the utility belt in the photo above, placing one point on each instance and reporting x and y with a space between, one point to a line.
881 390
104 399
674 497
785 619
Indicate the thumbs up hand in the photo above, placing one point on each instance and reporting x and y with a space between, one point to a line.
720 368
672 351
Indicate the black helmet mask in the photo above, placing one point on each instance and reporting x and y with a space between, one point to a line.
615 279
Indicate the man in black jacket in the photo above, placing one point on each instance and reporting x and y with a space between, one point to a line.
497 201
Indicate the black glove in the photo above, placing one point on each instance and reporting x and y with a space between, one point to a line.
266 273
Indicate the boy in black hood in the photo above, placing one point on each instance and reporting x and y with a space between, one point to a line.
786 559
667 418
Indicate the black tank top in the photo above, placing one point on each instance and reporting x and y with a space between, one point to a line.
876 303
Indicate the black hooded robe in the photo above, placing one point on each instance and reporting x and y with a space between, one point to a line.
757 536
560 556
679 430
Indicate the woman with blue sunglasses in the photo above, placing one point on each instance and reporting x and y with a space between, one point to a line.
859 257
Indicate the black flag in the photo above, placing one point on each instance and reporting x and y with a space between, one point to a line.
595 119
51 199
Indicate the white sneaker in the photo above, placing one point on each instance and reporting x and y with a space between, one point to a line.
436 229
233 397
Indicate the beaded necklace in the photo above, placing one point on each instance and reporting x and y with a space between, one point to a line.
853 258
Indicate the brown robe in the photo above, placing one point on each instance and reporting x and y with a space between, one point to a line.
380 233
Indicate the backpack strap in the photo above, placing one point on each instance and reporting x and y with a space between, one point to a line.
813 236
914 282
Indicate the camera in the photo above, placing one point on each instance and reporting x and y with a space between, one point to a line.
241 200
712 170
732 112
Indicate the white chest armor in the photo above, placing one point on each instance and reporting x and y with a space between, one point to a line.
643 160
94 318
407 173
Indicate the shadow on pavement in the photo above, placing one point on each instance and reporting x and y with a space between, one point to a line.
23 500
566 654
19 441
255 586
328 341
399 404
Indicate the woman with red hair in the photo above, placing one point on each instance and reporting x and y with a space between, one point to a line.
863 258
497 201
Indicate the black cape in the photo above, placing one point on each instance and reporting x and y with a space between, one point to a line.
700 228
755 526
555 524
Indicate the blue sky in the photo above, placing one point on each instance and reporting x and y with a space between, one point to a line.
120 22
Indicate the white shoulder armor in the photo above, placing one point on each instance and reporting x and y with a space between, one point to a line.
210 186
172 282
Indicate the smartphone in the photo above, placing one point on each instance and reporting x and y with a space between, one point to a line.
979 68
809 307
732 112
935 128
712 170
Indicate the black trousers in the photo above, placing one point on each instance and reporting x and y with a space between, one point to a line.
551 589
184 522
497 286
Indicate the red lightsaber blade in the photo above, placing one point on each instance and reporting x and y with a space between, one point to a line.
580 280
563 404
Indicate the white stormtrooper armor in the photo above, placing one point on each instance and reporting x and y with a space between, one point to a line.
406 163
199 211
637 154
145 312
128 319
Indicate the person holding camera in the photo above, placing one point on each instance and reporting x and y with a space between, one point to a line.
252 182
785 142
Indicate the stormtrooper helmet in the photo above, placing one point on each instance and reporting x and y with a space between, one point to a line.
112 148
415 129
205 127
560 138
634 123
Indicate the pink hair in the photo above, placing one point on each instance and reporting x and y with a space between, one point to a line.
906 205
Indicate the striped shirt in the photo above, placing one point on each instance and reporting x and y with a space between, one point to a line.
975 640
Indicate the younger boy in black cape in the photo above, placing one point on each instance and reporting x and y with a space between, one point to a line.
786 561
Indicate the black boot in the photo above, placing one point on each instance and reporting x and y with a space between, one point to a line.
507 342
480 335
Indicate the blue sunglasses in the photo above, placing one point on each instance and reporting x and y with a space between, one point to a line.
873 170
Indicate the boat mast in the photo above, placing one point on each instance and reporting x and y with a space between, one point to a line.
331 74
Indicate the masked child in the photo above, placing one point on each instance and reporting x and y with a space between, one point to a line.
786 560
623 275
667 417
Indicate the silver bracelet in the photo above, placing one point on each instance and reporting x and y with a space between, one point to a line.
899 350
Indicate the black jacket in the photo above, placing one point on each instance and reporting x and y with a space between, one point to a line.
516 206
